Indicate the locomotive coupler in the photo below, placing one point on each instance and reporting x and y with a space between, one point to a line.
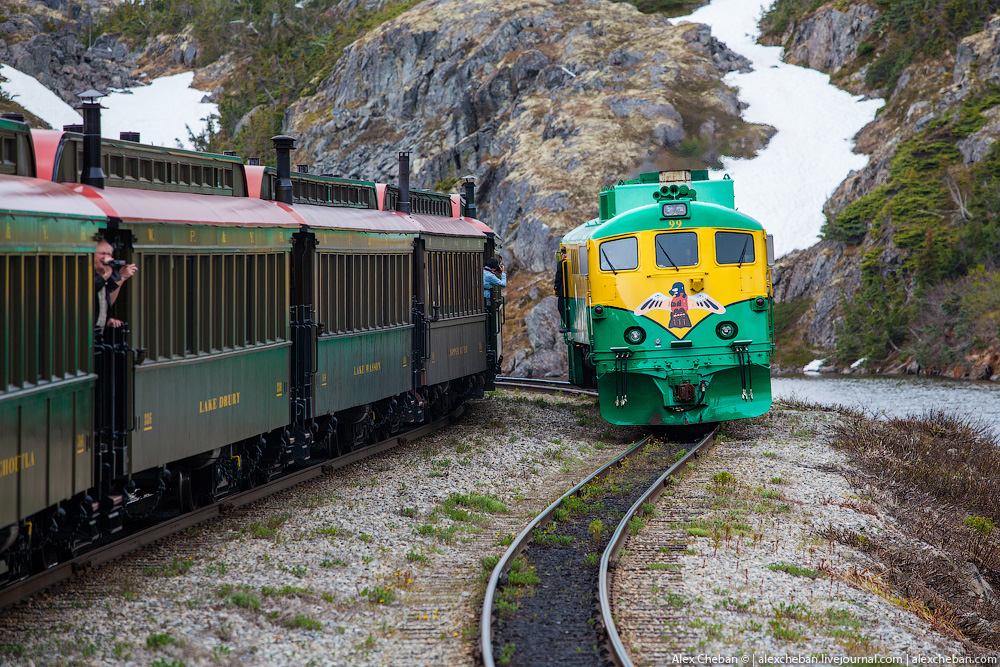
685 392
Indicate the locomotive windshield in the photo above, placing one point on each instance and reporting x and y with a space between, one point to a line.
676 249
734 248
620 254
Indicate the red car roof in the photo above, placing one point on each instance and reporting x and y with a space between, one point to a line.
22 194
179 207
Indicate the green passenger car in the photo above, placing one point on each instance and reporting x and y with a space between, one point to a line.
46 366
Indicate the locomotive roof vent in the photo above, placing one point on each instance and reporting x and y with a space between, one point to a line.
10 115
229 153
253 161
676 176
129 136
302 168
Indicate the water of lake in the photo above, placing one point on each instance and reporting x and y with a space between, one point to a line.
896 396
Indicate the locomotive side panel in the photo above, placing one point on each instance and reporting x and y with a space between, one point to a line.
184 409
44 449
457 348
359 369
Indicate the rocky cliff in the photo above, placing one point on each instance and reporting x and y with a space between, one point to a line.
938 126
53 41
544 102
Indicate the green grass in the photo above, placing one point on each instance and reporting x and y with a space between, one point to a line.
269 528
245 600
794 570
415 557
723 478
784 631
302 622
379 594
522 574
548 539
155 641
175 568
284 591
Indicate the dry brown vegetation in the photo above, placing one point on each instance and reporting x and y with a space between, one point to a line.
937 476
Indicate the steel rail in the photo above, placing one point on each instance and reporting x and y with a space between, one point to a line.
538 381
486 623
536 384
617 649
88 561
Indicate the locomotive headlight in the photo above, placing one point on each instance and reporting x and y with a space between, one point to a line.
634 335
726 330
674 209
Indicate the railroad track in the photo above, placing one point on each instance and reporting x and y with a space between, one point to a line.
547 600
543 386
87 562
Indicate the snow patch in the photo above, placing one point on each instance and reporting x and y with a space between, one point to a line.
161 112
813 366
859 362
36 98
785 186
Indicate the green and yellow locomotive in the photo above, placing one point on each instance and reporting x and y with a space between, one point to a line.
666 302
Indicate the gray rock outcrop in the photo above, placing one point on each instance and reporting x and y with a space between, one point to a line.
58 58
828 39
548 353
544 103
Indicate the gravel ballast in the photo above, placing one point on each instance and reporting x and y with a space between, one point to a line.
377 564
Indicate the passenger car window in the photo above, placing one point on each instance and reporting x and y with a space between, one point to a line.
620 254
734 248
676 249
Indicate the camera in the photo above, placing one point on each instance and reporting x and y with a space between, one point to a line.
115 263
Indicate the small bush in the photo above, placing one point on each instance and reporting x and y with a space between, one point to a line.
723 478
246 600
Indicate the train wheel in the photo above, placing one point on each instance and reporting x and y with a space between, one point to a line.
185 492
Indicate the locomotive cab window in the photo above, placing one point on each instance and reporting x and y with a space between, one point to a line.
676 249
734 248
619 255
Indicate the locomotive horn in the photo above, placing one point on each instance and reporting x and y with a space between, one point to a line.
283 145
403 203
92 173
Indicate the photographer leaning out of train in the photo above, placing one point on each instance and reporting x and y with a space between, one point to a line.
111 273
493 276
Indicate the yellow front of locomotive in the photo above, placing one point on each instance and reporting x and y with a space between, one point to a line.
676 317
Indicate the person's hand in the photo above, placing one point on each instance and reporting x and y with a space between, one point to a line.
128 271
112 322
